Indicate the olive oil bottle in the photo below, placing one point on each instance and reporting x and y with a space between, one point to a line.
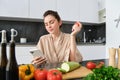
3 56
12 72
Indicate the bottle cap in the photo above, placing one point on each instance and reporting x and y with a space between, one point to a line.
13 34
3 38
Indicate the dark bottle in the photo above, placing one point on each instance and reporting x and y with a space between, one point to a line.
12 72
3 57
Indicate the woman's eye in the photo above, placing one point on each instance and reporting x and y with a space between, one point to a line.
51 22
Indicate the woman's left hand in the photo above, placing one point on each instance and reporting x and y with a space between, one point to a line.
76 28
38 60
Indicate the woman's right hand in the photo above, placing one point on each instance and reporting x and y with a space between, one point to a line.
38 61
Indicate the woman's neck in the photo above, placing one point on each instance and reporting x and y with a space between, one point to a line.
56 35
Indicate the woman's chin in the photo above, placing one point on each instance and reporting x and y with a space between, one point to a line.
51 32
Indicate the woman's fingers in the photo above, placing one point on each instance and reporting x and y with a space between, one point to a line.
34 59
38 60
41 62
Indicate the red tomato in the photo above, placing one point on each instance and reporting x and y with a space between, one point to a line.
77 23
40 74
90 65
54 75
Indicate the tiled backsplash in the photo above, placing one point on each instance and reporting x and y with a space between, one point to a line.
95 32
30 30
33 30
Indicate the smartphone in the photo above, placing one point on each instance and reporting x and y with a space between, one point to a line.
36 53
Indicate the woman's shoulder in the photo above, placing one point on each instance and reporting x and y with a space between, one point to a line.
66 35
48 36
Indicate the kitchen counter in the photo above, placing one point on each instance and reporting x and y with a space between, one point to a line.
83 63
78 43
96 61
88 43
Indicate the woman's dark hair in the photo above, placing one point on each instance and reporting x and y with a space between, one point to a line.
53 13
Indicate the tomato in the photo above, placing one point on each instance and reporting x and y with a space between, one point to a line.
54 74
77 23
90 65
40 74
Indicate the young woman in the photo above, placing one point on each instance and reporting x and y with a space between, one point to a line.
57 46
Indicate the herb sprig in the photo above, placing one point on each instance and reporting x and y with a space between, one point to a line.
104 73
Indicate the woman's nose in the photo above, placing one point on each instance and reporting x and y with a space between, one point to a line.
49 25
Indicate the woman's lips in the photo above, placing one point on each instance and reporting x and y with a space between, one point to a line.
51 30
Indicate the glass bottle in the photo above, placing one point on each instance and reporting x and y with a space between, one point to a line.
12 72
3 56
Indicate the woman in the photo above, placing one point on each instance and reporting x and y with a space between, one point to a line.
57 46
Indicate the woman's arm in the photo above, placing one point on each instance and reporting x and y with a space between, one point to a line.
75 29
72 48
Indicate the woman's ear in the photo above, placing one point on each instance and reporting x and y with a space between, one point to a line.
60 23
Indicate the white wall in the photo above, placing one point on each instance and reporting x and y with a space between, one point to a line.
23 55
112 33
101 4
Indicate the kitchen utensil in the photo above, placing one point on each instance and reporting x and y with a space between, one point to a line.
118 51
112 57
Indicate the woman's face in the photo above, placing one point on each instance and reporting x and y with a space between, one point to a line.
52 24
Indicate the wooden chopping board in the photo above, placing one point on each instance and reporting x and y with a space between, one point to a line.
78 73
